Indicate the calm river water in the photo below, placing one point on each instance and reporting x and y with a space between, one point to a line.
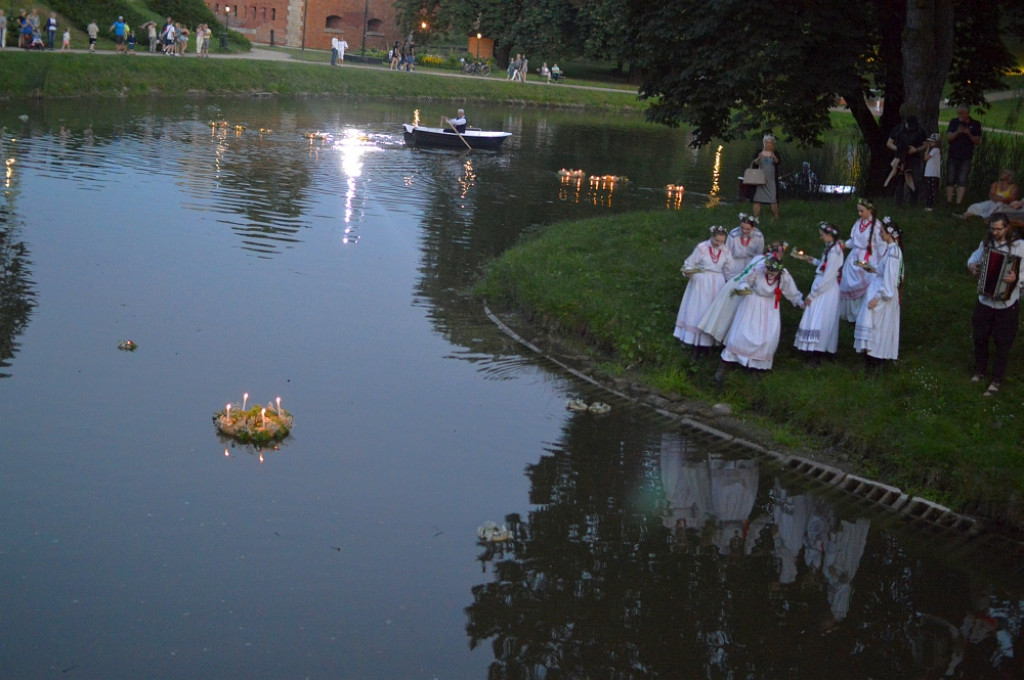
135 543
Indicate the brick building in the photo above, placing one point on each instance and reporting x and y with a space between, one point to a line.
312 23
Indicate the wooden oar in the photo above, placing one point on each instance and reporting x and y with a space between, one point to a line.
456 130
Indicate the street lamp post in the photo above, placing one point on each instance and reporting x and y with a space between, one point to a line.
366 24
478 36
227 28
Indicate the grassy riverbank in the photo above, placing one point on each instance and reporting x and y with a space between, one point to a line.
54 75
613 285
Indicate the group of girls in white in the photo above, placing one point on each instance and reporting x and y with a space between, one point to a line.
735 285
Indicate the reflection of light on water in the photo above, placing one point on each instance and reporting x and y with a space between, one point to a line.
8 172
716 172
467 179
352 145
416 117
675 196
599 187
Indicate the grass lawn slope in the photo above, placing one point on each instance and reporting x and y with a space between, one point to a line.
614 283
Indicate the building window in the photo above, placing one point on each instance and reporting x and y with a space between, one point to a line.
334 21
374 26
273 14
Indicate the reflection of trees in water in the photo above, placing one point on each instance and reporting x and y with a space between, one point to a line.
17 297
596 582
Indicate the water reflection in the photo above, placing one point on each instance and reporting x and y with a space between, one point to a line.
665 560
17 291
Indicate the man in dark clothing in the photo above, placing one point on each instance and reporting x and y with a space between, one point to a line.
963 134
908 141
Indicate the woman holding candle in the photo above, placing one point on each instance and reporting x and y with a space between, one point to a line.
877 333
754 334
864 244
704 268
818 332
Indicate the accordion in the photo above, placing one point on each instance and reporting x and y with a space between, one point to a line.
995 265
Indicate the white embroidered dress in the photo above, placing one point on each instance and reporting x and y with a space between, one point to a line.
878 329
709 263
819 326
855 280
754 335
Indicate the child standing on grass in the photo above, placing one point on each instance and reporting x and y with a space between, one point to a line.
65 45
932 170
131 43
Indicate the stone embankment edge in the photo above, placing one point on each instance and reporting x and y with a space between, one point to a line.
917 511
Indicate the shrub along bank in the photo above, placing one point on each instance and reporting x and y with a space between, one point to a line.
614 284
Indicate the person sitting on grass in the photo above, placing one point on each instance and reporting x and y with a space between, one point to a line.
1001 194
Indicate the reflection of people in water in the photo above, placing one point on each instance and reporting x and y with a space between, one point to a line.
790 514
845 549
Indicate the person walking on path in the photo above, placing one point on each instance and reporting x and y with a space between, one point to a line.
3 30
93 31
963 135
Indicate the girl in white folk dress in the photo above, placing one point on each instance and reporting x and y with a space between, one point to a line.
720 313
818 332
744 243
864 245
754 334
704 269
877 333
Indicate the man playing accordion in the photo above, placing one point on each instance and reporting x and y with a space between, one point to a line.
996 264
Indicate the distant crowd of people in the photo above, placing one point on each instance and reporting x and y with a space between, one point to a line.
172 39
31 32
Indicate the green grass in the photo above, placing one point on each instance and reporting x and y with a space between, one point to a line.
613 283
25 75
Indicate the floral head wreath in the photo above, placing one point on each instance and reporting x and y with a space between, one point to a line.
773 264
748 219
866 203
717 229
891 227
829 228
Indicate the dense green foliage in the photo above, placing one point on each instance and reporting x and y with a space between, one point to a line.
545 30
614 283
780 66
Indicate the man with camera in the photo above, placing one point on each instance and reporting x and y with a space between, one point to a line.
963 134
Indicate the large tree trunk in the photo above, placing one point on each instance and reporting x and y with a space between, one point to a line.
927 55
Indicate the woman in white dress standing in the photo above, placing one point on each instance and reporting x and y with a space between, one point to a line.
704 268
754 334
744 243
877 333
818 332
864 244
720 313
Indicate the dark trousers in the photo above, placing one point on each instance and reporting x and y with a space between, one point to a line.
931 191
334 56
1001 326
